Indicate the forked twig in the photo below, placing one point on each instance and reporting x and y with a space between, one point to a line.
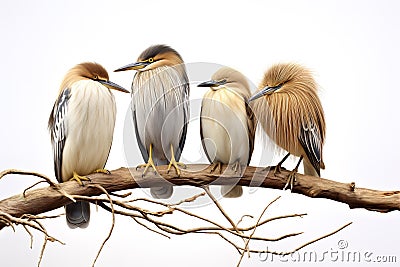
246 247
21 172
44 177
207 189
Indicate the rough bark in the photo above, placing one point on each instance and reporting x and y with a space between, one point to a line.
36 201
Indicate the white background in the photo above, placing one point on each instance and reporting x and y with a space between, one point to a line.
352 47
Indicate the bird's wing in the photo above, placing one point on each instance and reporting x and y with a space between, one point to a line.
202 138
310 139
142 147
57 127
185 89
251 126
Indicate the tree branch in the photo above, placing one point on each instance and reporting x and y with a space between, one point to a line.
41 200
23 209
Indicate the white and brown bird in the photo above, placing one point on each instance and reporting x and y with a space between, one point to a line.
81 126
227 124
291 114
160 106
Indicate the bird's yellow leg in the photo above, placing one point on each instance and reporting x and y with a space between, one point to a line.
102 171
292 176
79 178
175 163
150 162
214 166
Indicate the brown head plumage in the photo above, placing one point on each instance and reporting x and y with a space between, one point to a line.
84 71
234 80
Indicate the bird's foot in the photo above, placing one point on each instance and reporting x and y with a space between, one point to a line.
291 179
214 166
176 165
78 178
277 169
102 171
146 167
237 168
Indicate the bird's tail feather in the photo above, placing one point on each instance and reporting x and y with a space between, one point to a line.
78 214
163 192
309 168
229 191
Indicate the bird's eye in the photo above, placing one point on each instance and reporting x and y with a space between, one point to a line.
150 60
95 77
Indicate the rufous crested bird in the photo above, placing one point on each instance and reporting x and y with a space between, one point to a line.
81 126
290 112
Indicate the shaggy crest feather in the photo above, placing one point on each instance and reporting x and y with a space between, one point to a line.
293 116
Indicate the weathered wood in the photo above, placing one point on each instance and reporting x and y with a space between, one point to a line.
45 199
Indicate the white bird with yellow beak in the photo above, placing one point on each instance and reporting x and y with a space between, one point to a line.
81 126
227 125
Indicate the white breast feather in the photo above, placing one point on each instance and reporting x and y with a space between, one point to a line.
90 122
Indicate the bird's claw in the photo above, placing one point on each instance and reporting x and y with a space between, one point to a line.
146 167
237 168
78 178
176 165
214 166
291 180
277 169
102 171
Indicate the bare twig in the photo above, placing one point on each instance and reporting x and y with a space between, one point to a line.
20 172
44 177
244 216
320 238
31 221
42 251
32 186
207 189
246 247
120 195
188 200
113 221
304 245
30 234
148 228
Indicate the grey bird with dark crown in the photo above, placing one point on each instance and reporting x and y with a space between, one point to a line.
160 107
82 126
227 123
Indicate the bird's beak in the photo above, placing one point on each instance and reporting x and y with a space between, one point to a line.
134 66
265 91
112 85
212 83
